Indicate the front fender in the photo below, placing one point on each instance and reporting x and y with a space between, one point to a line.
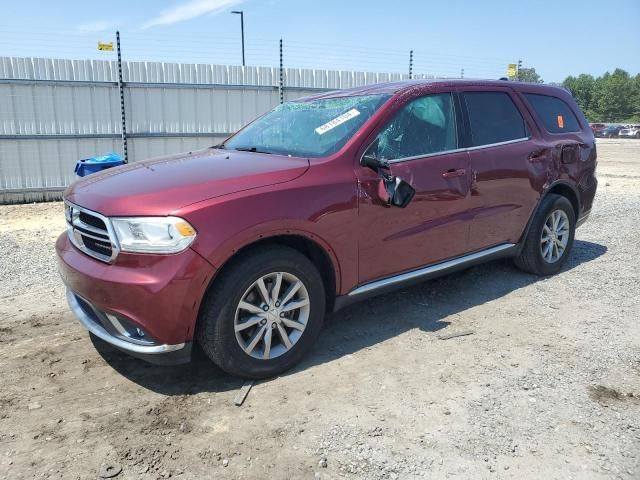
259 233
321 213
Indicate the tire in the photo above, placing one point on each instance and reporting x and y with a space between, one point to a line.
222 314
532 257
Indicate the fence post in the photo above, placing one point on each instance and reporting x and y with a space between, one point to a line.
410 64
123 117
281 86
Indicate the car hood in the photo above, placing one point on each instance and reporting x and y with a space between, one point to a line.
162 185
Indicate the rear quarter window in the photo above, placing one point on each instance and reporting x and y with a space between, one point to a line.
556 116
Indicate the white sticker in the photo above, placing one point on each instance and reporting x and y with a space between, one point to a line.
337 121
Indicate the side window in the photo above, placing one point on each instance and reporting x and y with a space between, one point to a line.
556 116
423 126
493 118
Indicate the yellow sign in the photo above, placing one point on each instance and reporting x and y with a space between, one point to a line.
105 46
512 70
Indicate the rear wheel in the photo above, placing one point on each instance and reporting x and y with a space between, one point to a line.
550 237
263 314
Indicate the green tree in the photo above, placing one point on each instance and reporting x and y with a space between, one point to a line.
635 118
529 75
612 97
615 96
582 88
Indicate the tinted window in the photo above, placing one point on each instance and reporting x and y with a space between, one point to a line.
494 118
423 126
556 116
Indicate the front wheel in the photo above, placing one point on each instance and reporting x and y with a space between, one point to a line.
550 237
263 313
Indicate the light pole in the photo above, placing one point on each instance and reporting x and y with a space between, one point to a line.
241 13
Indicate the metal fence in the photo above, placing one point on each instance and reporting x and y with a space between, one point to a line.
55 111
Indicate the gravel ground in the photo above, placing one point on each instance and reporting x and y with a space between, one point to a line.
547 386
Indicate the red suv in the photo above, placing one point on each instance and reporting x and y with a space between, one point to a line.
598 128
321 202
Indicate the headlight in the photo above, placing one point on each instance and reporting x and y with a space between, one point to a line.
153 234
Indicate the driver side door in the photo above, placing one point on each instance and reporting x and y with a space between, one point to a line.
421 143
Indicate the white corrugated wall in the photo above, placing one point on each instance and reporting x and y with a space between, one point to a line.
55 111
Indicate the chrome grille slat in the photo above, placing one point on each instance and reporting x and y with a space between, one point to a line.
98 243
104 239
85 226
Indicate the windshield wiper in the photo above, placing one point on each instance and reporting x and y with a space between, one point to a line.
252 149
219 146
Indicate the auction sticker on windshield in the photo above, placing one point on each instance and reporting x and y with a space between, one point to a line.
345 117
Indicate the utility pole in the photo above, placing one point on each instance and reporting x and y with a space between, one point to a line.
410 64
281 85
518 70
241 13
123 118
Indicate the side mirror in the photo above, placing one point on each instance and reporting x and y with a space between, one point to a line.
401 192
370 158
393 190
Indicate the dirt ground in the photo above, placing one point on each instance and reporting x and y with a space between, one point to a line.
547 386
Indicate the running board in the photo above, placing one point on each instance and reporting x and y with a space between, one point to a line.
378 287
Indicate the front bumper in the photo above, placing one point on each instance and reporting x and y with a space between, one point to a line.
103 326
145 305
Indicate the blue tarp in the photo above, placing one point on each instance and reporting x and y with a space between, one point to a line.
87 166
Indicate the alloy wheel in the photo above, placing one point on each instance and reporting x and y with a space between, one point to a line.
555 236
272 315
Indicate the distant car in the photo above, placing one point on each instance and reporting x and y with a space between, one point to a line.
609 132
631 132
596 128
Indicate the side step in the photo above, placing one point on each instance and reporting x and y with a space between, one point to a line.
388 284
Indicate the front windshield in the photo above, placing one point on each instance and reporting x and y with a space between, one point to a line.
307 129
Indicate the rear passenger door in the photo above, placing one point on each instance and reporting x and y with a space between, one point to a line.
507 163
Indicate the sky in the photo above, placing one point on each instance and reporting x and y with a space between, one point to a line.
557 37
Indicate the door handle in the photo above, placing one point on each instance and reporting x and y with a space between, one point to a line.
537 156
453 172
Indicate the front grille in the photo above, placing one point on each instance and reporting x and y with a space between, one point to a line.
103 248
92 220
90 232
